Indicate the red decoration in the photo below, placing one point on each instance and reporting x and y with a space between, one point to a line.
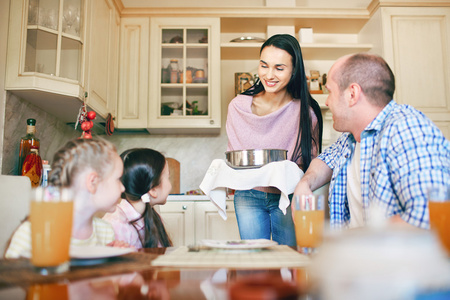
85 119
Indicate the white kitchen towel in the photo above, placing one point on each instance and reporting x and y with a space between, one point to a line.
283 175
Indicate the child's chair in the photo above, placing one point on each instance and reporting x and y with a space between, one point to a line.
14 205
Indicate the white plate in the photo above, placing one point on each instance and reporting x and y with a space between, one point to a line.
97 252
239 244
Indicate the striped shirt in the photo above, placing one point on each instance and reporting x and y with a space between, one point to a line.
20 245
402 154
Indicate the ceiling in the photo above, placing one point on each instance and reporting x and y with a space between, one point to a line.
248 3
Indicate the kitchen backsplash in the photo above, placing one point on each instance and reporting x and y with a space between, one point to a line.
52 132
194 153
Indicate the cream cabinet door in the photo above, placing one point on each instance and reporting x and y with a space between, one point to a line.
184 76
416 44
133 69
102 57
178 219
210 225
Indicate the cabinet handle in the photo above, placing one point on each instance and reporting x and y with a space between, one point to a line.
211 122
226 206
184 207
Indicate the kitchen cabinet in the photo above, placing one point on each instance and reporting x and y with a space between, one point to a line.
415 41
60 49
184 77
190 221
133 80
210 225
102 58
179 220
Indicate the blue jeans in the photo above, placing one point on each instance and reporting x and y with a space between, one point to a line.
259 217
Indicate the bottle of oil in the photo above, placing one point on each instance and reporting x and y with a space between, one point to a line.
32 167
26 142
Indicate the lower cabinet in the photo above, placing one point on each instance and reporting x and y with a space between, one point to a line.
189 222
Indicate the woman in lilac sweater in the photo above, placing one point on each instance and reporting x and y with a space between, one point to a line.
277 112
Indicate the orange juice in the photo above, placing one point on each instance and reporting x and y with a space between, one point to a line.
440 221
309 227
51 228
47 291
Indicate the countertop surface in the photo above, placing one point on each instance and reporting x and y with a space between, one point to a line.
182 197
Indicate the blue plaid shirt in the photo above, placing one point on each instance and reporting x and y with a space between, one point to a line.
402 154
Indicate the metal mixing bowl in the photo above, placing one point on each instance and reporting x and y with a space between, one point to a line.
254 158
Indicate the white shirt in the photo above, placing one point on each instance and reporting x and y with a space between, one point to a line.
354 195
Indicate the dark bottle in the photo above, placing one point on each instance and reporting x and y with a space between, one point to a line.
26 142
32 167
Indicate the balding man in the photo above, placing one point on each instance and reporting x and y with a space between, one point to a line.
389 154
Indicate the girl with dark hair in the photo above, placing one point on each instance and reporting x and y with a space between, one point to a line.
277 112
146 180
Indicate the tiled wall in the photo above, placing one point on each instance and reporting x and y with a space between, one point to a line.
51 132
195 153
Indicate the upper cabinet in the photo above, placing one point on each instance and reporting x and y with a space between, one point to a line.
102 56
133 99
415 41
53 54
184 75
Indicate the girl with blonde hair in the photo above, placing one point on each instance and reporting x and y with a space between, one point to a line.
92 169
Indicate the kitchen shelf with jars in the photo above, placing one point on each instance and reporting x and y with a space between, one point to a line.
319 52
185 76
50 50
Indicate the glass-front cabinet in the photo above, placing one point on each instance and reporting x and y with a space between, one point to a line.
185 75
54 40
52 50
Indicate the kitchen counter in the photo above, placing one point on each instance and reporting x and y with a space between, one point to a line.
177 197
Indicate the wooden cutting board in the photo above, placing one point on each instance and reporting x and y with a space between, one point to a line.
174 177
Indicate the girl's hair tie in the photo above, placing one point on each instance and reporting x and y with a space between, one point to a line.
145 198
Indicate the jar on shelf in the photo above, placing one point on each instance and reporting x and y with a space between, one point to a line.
173 67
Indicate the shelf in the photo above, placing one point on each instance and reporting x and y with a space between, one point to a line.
314 51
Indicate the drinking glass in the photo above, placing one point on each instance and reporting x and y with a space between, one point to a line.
309 221
51 213
439 207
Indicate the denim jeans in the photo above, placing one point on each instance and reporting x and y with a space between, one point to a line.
259 217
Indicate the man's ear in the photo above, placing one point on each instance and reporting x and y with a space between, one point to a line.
355 94
92 180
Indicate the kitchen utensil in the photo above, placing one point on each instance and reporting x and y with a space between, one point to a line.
248 39
109 128
174 177
254 158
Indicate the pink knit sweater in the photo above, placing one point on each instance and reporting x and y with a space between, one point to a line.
277 130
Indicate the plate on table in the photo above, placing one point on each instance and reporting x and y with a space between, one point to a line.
93 255
239 244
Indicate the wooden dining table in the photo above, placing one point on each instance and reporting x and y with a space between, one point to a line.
157 274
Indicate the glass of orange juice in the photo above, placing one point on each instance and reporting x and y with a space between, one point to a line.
439 207
309 221
51 213
48 291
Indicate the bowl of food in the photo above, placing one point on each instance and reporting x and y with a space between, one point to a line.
254 158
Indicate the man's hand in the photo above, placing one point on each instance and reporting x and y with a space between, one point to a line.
302 188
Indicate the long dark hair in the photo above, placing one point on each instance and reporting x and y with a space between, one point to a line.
142 172
298 89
